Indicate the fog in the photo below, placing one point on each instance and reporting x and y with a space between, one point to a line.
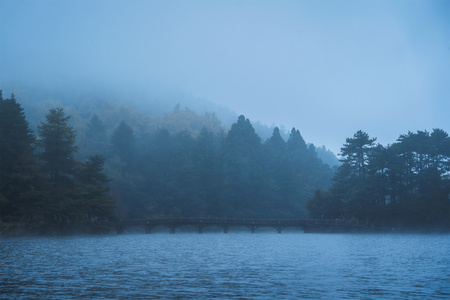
328 68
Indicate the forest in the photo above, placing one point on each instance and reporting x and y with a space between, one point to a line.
182 165
405 184
81 167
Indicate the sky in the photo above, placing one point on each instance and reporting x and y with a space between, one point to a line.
328 67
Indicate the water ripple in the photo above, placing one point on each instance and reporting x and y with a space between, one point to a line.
226 266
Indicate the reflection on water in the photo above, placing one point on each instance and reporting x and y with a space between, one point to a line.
235 265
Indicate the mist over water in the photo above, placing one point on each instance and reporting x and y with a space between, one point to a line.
234 265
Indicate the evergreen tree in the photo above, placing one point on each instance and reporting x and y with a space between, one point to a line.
123 141
356 152
296 145
95 128
93 201
276 146
278 175
208 172
96 141
424 177
242 139
57 138
350 184
19 178
242 158
440 150
297 187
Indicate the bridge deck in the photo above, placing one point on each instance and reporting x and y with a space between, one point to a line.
226 223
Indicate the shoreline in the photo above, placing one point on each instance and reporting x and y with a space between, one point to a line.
11 230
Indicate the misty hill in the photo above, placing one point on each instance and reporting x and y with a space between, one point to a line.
176 164
144 110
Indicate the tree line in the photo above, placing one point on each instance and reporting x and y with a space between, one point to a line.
403 184
211 174
188 166
160 173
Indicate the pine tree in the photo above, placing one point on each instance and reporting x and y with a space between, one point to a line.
96 128
96 141
207 171
18 169
276 146
356 152
123 141
296 145
351 184
93 202
243 172
57 138
278 174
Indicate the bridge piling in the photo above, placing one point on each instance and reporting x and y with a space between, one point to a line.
225 228
278 229
252 227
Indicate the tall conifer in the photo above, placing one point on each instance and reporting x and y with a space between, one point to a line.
18 170
57 138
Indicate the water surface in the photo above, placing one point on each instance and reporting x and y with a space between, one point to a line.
233 265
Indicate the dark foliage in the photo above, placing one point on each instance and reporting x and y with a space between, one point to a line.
403 184
49 189
216 175
19 177
191 168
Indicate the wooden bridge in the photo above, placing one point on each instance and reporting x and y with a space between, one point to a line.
308 225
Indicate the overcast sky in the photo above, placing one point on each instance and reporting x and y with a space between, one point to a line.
328 68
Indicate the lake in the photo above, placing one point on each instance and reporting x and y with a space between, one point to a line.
237 265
